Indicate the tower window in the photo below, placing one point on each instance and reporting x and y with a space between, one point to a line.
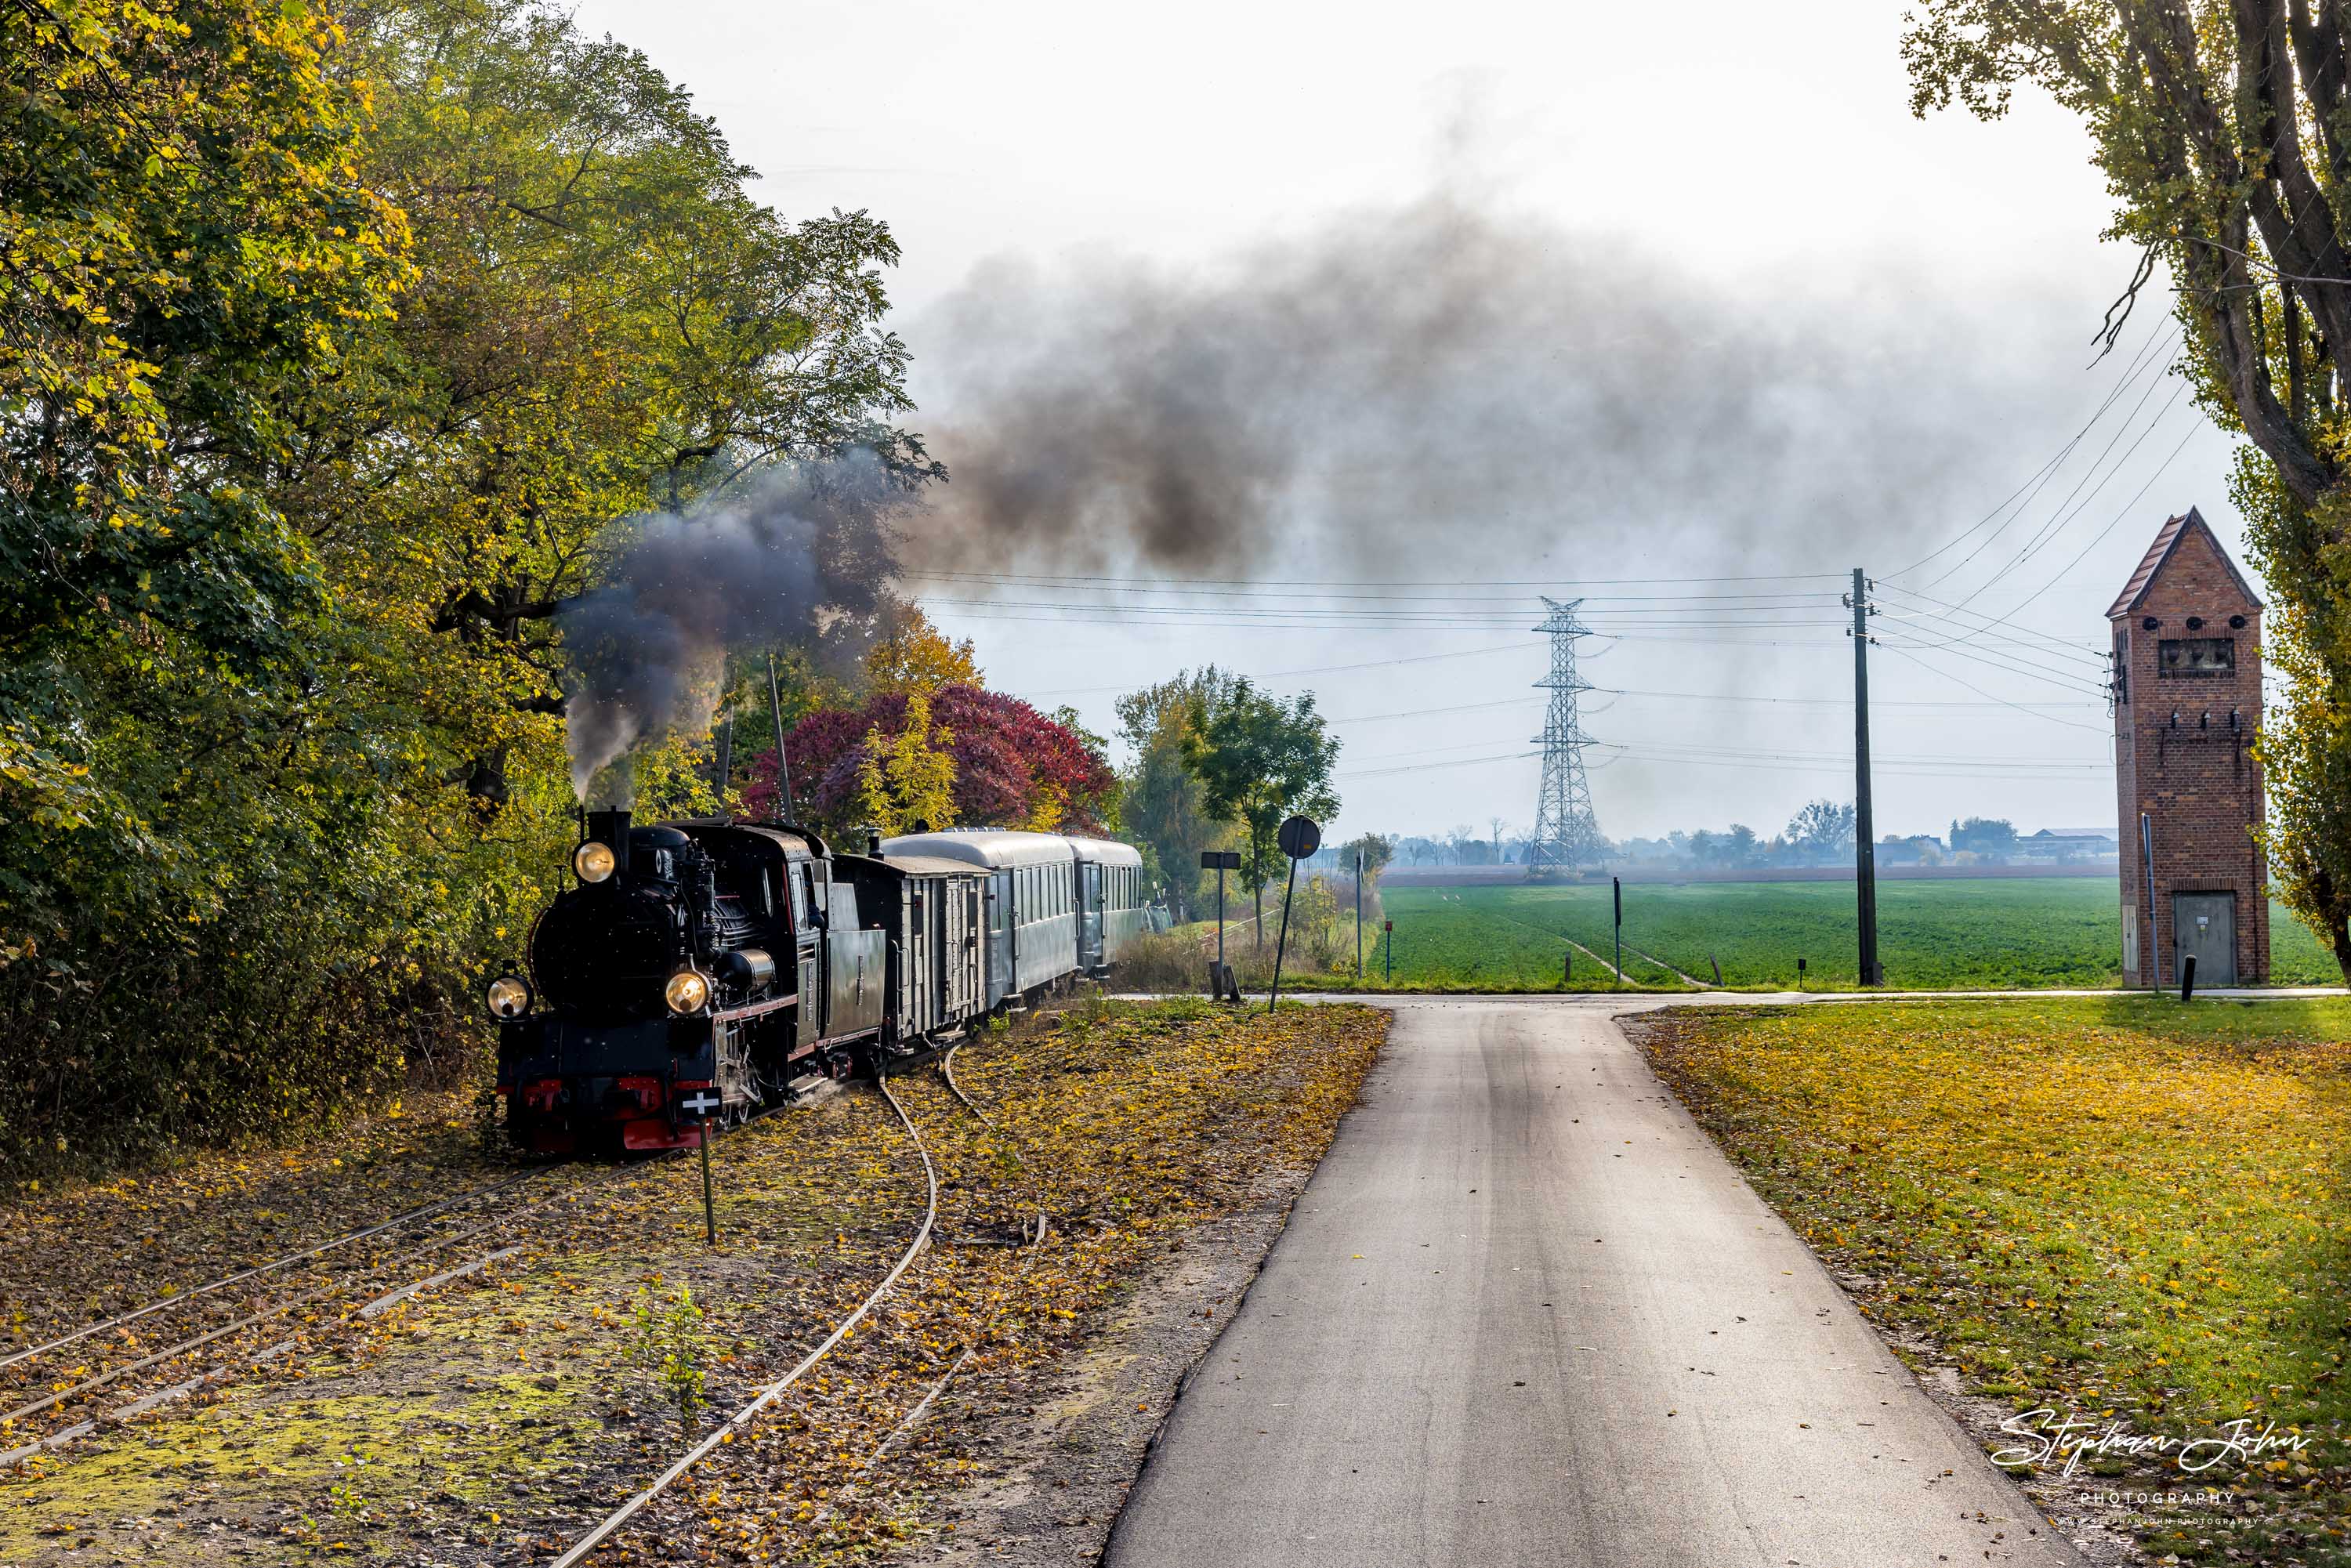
2187 657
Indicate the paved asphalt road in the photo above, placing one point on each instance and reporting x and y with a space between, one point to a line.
1525 1313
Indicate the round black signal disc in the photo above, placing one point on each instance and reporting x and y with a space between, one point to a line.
1300 837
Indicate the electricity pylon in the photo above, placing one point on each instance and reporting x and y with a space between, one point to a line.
1566 836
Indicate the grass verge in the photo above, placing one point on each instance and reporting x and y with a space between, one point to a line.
2125 1210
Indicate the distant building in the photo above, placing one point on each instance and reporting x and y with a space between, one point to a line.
2061 844
1917 849
2187 701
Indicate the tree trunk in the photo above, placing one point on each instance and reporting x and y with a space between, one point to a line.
2339 927
1256 897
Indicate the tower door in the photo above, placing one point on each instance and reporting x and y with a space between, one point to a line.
2204 925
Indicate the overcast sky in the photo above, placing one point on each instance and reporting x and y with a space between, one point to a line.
1418 313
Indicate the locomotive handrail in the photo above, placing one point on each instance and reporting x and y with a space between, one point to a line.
709 1445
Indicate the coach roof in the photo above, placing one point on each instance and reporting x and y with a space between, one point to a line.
1109 852
986 846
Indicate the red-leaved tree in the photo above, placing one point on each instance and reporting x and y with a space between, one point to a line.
1012 763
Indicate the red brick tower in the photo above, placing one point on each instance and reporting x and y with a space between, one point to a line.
2187 697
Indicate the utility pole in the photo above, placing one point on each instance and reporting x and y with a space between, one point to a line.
1359 915
1864 836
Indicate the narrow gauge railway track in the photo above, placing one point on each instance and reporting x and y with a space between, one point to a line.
182 1298
944 1058
606 1527
370 1281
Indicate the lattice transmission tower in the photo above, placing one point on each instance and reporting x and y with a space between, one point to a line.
1567 837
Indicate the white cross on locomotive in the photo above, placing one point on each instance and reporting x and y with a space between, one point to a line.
701 1104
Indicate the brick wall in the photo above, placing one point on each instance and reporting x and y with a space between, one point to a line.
2180 757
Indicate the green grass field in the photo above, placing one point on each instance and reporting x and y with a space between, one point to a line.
1988 933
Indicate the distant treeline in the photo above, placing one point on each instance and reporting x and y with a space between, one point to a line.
1820 834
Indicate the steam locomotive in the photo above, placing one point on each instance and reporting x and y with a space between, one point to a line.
702 967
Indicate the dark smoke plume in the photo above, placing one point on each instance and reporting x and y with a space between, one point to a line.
748 567
1399 388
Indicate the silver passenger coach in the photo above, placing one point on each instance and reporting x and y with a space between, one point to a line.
1055 906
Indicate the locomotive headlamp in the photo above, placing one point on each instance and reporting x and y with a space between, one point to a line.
592 861
508 996
688 991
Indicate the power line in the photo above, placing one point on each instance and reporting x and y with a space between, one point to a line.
2021 708
2049 532
1250 582
1760 615
1192 588
1310 670
1989 701
1793 763
1427 767
2041 476
2000 659
2048 583
1941 609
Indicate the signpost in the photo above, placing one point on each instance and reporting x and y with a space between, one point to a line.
703 1104
1221 978
1299 838
1387 929
1617 882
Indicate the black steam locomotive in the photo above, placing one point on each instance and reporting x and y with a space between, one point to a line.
702 967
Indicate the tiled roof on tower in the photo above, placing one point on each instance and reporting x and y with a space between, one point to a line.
2166 540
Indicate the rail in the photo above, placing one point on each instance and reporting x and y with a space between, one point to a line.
180 1298
703 1450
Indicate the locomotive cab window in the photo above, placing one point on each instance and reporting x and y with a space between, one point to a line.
2187 657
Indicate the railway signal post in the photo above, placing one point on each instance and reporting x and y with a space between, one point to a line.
704 1105
1220 981
1299 838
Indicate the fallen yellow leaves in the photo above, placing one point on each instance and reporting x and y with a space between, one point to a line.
2123 1206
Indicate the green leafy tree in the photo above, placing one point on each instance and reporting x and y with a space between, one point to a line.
1377 850
905 782
1994 837
1260 759
1821 831
606 323
187 244
2224 134
334 366
1162 801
